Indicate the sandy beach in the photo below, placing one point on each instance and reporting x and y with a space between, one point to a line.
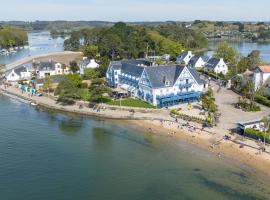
161 123
221 148
63 57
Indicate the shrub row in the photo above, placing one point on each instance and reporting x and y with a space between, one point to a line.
255 134
262 100
188 117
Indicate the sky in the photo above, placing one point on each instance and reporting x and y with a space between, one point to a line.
135 10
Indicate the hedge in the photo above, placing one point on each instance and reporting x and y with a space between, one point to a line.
262 100
255 134
188 117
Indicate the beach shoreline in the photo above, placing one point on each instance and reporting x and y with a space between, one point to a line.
223 149
162 125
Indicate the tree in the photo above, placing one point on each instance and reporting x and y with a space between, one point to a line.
35 65
90 51
249 91
67 90
97 89
74 66
242 65
266 125
254 59
47 83
228 53
90 73
110 46
208 102
63 67
104 63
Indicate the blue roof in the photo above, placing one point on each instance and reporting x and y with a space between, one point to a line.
212 63
133 70
159 74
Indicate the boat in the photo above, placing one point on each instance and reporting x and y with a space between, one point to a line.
4 52
33 103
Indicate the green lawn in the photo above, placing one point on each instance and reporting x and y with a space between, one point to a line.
130 102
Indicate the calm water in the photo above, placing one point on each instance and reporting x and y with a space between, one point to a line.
39 43
46 155
244 48
42 42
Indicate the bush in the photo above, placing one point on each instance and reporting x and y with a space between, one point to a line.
262 100
188 117
255 134
250 107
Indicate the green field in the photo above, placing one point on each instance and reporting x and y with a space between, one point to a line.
130 102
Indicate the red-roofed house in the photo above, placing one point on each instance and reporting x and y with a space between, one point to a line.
261 75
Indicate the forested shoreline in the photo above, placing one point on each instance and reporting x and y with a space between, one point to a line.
123 41
12 37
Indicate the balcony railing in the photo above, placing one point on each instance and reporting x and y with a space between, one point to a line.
185 85
178 96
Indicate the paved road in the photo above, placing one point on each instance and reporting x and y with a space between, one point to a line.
230 115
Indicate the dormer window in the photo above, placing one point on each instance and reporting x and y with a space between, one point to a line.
167 83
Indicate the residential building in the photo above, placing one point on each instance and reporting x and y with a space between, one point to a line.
88 63
256 124
260 76
216 65
20 73
197 62
160 85
184 57
55 81
50 68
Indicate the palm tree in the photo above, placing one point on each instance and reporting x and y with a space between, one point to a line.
63 67
35 65
266 125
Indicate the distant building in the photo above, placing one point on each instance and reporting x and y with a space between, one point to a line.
50 68
216 65
165 57
184 57
197 62
20 73
88 63
159 85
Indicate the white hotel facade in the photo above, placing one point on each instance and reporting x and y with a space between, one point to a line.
159 85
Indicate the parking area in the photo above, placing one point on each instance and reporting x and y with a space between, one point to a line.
230 116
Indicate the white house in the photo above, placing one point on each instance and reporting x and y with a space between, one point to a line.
216 65
184 57
51 68
261 74
197 62
160 85
20 73
88 63
256 124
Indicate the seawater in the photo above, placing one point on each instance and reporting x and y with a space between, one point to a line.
49 155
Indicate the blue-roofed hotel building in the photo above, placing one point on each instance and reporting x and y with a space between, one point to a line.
160 85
